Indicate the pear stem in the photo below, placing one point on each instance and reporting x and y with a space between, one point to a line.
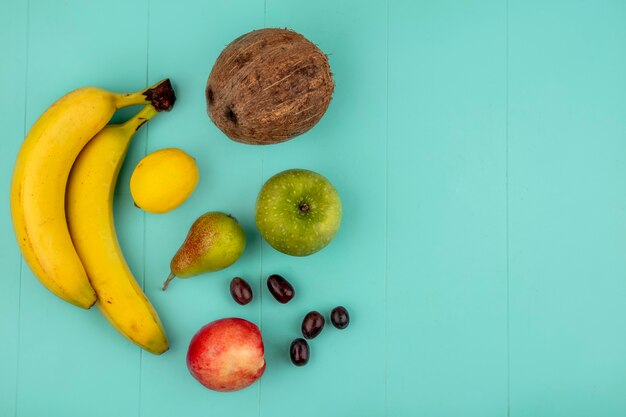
169 279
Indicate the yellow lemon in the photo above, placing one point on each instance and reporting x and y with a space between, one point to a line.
163 180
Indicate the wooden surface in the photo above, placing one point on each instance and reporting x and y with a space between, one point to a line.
479 147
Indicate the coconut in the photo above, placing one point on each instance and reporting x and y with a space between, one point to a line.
269 86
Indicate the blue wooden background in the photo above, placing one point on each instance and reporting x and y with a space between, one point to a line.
479 147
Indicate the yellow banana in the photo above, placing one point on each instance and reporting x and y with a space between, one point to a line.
89 206
40 177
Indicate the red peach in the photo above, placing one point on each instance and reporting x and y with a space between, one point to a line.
227 354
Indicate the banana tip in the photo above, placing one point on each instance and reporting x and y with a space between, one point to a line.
161 96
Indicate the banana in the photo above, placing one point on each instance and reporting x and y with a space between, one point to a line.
40 177
89 207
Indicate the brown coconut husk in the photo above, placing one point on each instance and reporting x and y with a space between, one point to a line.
269 86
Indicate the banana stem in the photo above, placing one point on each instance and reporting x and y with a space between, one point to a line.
160 95
145 114
169 279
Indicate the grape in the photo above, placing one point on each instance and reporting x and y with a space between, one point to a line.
340 317
280 288
299 352
312 324
241 291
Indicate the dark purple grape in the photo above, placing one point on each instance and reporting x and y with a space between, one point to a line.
299 352
280 288
241 291
312 324
340 317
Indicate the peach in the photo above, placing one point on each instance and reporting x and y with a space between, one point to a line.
227 354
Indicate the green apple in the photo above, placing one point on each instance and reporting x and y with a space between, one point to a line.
298 212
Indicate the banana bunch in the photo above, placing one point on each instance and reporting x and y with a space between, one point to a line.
62 205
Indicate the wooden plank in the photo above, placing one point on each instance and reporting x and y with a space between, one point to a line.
185 39
447 283
72 362
13 20
345 375
567 208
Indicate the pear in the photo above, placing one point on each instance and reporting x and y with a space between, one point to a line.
214 242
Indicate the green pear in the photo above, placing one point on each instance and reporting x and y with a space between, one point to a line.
215 241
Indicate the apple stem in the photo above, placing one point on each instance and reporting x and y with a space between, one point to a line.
304 207
169 279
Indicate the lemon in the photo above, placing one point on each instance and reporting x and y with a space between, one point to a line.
163 180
